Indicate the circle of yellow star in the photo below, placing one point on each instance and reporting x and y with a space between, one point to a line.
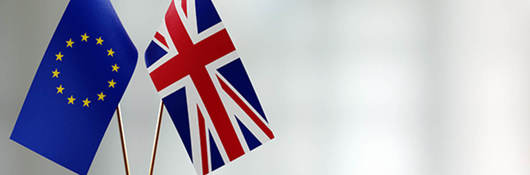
84 37
70 43
55 74
71 99
86 103
101 96
99 41
60 89
112 83
59 57
115 68
111 52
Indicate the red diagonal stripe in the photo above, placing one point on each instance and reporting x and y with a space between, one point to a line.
247 109
161 38
184 7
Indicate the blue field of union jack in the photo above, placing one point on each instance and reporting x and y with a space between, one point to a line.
205 87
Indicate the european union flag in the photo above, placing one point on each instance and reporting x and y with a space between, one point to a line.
78 85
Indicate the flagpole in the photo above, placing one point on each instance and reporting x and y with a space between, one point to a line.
157 134
122 138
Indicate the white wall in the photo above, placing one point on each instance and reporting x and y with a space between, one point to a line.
367 87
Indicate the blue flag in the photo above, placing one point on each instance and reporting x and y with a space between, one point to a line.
78 85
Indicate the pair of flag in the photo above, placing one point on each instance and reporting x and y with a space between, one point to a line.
194 67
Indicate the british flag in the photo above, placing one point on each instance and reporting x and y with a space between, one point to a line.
204 86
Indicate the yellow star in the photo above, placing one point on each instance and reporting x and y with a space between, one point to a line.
101 96
99 41
115 68
112 83
86 102
55 74
70 43
84 37
111 52
60 89
71 99
59 57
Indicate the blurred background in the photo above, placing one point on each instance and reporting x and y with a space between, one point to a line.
364 87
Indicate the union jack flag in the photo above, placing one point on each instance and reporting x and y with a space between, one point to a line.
204 86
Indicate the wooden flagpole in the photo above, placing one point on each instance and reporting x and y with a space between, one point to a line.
157 134
122 138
